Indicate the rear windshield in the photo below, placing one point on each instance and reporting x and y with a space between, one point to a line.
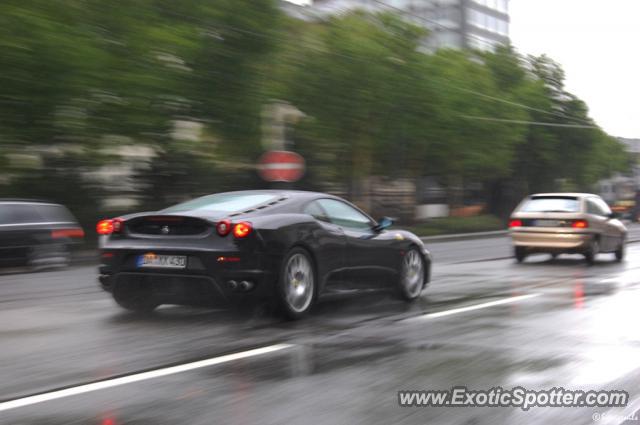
55 213
20 213
551 204
224 202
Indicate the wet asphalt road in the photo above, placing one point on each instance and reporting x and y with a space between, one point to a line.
539 325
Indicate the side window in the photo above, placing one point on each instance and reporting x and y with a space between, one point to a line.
314 209
345 215
5 215
55 213
602 206
23 213
591 207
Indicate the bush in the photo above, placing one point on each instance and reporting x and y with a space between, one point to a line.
450 225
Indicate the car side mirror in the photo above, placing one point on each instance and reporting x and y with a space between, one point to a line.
383 223
612 214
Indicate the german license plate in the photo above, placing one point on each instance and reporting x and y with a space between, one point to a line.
548 223
162 261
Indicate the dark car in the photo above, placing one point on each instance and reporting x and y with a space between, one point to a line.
291 246
36 233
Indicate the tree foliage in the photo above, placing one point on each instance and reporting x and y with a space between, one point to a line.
81 79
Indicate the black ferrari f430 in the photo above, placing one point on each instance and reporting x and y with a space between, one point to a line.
289 246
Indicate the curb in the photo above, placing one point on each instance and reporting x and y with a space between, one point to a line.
465 236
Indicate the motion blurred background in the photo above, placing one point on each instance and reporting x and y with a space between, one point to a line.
413 108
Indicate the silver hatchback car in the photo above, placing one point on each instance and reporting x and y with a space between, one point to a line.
557 223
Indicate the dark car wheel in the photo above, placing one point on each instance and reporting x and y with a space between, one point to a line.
134 296
297 284
520 253
620 251
137 305
411 275
592 251
42 257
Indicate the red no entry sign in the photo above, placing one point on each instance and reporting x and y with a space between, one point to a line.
281 166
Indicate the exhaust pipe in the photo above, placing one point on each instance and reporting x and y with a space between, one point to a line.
245 286
233 285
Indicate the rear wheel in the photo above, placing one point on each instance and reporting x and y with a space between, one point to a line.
297 284
411 275
138 306
47 256
620 251
520 253
592 251
135 295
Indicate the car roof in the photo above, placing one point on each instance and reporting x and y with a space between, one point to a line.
289 199
573 194
287 194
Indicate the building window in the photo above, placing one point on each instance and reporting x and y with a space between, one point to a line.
499 5
503 27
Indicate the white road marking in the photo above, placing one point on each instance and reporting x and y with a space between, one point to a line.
474 307
109 383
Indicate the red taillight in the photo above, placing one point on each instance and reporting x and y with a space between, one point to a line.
67 233
109 226
223 227
515 223
580 224
118 224
228 259
242 229
104 227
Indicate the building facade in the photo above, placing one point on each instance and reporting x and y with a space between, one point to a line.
458 24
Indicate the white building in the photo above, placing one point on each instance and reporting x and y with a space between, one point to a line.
478 24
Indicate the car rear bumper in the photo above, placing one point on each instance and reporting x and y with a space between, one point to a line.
551 241
207 279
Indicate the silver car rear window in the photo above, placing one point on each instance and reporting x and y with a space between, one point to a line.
551 204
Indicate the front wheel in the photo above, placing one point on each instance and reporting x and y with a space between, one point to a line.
297 284
411 275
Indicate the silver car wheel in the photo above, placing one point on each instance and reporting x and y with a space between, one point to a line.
412 273
299 282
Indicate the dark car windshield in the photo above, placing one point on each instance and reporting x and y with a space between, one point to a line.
55 213
224 202
551 204
22 212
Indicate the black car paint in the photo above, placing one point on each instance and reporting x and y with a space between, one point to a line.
343 258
